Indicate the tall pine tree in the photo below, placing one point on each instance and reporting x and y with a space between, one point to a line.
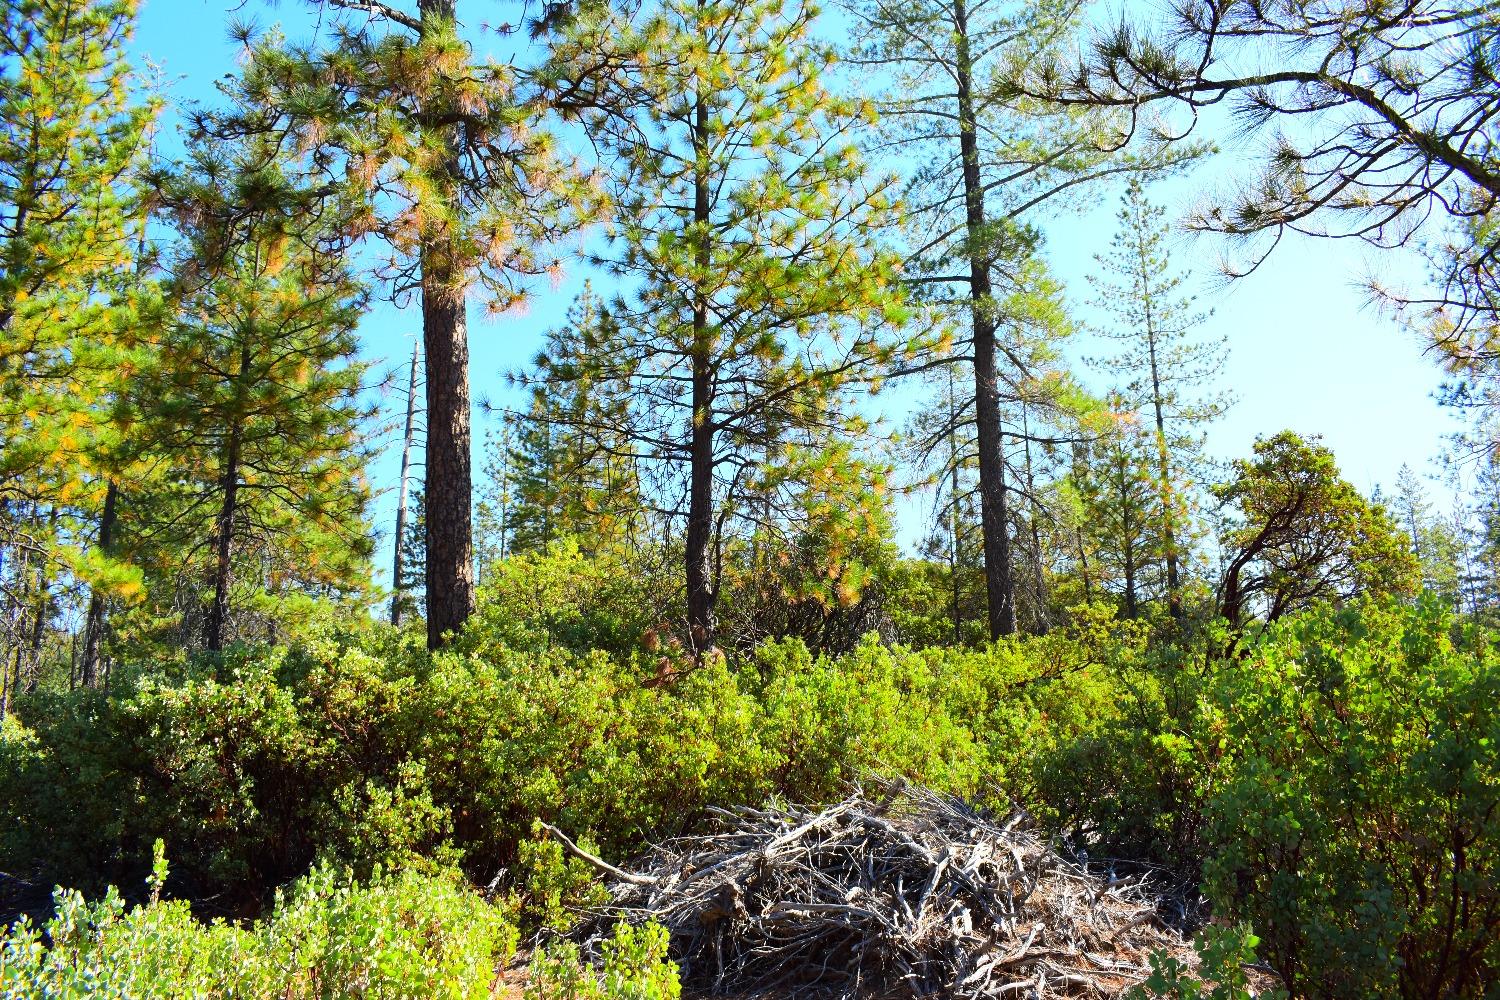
73 137
750 228
251 393
982 166
1168 370
462 182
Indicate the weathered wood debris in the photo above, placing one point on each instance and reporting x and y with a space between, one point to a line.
894 892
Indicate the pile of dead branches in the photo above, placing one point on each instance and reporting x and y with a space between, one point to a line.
897 893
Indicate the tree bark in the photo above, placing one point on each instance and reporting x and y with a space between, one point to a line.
450 540
1163 457
406 441
994 515
699 538
1127 534
218 611
93 631
953 525
450 530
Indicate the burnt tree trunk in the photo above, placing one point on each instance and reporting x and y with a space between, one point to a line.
994 514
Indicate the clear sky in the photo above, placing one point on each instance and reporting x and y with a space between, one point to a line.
1306 351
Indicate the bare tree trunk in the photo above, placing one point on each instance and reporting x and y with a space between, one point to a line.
406 441
699 536
450 530
93 630
994 514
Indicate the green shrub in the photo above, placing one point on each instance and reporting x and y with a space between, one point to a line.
253 765
1355 817
634 966
395 936
1129 780
1337 784
1223 953
564 598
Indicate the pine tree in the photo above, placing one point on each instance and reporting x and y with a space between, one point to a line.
459 178
250 396
749 227
495 502
982 166
409 432
575 466
1410 506
72 141
1168 371
411 585
1042 405
1115 483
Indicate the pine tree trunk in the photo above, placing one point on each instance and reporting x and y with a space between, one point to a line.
699 537
994 515
218 611
953 525
450 530
450 541
1168 499
1038 580
406 441
93 631
1127 534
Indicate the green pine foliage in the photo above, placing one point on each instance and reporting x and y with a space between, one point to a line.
576 467
1166 372
74 126
249 397
74 138
1116 487
749 226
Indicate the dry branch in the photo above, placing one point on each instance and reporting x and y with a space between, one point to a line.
906 893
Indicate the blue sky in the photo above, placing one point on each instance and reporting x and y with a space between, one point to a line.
1306 351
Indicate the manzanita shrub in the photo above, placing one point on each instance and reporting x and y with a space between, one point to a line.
356 746
1335 783
395 935
1355 811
